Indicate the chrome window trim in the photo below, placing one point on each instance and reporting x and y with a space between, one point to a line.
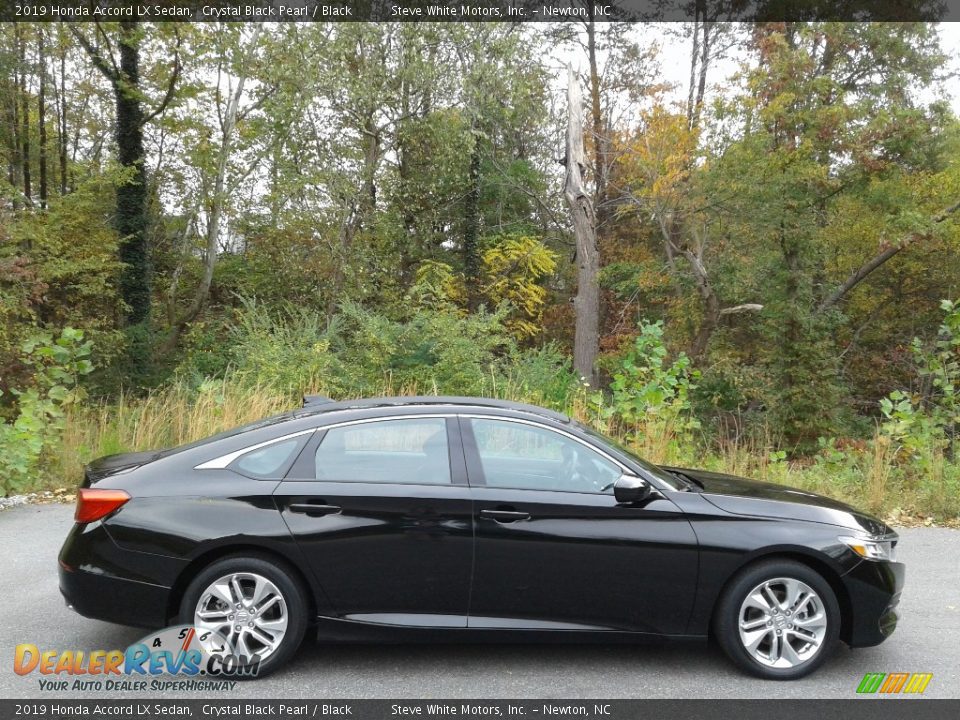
221 462
482 416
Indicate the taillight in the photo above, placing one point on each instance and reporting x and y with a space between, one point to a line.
95 503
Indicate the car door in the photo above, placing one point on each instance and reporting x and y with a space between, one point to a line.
382 512
554 548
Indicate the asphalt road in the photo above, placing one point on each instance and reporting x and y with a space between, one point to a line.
927 640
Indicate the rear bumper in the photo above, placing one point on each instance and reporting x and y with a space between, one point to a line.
874 590
116 600
101 581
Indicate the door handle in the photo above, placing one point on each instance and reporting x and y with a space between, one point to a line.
505 516
313 510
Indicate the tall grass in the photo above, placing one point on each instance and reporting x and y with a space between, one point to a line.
165 418
871 475
178 414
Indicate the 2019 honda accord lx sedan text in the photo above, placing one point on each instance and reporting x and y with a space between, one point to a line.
400 519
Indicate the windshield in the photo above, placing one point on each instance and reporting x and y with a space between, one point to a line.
675 482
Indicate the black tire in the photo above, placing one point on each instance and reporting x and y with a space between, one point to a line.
726 620
285 581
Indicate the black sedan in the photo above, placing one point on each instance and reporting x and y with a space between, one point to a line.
405 519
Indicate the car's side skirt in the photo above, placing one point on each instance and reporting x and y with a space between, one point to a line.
427 630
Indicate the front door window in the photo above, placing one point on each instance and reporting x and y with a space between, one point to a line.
524 457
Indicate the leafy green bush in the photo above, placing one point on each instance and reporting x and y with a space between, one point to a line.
57 365
648 387
927 421
650 395
542 376
433 350
288 349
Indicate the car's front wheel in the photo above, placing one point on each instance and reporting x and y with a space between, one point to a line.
778 619
254 604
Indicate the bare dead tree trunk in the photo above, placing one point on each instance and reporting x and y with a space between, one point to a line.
16 166
699 63
586 303
694 59
711 303
702 80
10 116
599 136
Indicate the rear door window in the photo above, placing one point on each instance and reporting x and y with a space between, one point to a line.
412 451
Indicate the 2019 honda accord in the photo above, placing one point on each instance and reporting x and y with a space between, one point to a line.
416 518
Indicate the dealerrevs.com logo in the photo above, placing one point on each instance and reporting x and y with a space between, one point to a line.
173 659
894 683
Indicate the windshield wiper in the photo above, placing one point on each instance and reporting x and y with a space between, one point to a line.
689 482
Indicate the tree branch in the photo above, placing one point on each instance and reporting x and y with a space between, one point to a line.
745 308
216 200
109 70
171 86
858 275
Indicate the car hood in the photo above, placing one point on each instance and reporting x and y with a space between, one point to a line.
760 499
109 465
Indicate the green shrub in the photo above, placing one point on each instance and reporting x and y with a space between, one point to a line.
435 349
57 364
542 376
650 398
926 421
647 386
288 349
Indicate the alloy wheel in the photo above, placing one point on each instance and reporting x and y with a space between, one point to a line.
782 623
247 610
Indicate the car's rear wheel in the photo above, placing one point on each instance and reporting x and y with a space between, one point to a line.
778 619
256 605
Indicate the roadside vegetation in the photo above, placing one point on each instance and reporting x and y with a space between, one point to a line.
905 470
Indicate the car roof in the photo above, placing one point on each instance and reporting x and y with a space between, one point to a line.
315 405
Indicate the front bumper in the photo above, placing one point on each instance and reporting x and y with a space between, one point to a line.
873 588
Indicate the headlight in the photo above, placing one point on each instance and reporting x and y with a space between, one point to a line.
871 549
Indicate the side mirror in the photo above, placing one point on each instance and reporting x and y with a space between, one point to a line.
630 489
